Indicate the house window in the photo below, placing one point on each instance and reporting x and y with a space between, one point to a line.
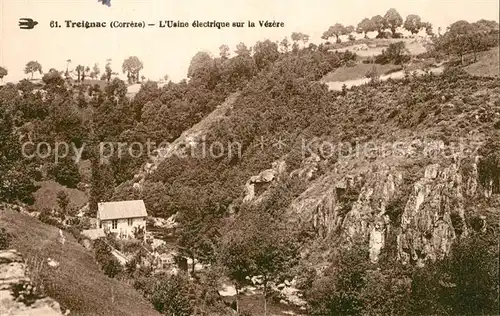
130 221
114 224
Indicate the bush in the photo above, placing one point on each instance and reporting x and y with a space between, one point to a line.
76 233
374 75
47 218
109 264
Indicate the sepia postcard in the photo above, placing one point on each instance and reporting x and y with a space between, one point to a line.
249 157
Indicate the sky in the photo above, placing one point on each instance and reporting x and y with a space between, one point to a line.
169 50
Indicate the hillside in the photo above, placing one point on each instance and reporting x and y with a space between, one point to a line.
284 178
488 64
394 164
77 284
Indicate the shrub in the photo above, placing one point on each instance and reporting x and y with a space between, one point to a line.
109 264
47 218
374 75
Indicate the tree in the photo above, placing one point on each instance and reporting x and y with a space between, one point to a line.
108 71
95 71
464 283
242 50
171 295
458 38
257 244
349 29
336 30
204 70
32 67
297 36
265 53
85 71
393 20
16 182
413 23
79 70
63 201
66 74
285 45
3 73
198 233
53 78
224 51
109 264
428 28
102 183
396 53
5 239
132 66
378 23
365 26
66 172
166 77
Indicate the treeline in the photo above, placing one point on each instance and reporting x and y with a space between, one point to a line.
131 66
392 20
463 37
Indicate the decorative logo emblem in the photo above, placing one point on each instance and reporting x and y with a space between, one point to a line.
27 23
105 2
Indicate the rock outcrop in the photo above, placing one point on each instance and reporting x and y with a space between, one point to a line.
257 184
421 209
17 293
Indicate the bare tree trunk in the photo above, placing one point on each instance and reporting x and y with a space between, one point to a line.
265 296
192 266
237 300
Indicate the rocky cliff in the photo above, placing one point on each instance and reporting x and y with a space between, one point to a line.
417 206
17 292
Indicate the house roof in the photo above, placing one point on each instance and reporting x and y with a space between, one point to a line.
121 209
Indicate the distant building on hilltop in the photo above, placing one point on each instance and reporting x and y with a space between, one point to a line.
122 217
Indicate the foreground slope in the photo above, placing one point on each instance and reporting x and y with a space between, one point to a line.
77 284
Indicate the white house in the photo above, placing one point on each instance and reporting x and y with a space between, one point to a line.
122 217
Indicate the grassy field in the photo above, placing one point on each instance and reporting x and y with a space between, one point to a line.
357 72
77 284
488 64
46 196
